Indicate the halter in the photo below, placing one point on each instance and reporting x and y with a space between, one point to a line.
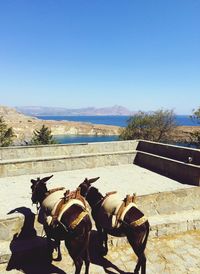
87 192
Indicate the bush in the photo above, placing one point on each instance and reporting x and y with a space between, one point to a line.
42 136
195 135
156 126
6 134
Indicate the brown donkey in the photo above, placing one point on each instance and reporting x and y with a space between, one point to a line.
64 217
118 218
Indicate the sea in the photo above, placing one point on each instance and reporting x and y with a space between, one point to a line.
181 120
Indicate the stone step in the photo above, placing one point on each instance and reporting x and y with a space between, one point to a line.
160 225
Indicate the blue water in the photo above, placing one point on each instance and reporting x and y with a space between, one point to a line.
182 120
66 139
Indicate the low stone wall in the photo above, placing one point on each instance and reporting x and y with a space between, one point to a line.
41 159
54 164
169 202
32 152
177 153
179 171
170 161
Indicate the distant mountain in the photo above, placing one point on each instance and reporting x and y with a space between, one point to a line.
60 111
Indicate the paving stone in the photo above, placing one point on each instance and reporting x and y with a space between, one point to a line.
177 254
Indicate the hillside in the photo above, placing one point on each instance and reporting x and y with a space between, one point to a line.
24 126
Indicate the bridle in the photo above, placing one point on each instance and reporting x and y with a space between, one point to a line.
87 192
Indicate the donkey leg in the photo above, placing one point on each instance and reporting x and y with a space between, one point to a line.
76 251
87 261
105 235
78 264
136 246
59 255
143 265
102 235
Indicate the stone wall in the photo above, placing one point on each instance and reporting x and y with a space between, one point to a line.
41 159
178 163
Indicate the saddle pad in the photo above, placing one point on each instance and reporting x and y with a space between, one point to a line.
51 201
109 210
68 205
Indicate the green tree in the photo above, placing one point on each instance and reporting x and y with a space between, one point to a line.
6 134
155 126
42 136
195 135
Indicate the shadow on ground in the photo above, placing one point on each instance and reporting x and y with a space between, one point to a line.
29 251
30 255
97 259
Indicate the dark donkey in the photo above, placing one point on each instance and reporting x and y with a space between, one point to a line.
65 217
118 218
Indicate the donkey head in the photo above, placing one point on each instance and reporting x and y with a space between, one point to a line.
39 189
86 184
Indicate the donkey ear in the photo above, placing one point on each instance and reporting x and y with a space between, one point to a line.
92 180
45 179
33 181
86 181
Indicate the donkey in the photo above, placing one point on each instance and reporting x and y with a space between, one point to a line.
118 218
65 217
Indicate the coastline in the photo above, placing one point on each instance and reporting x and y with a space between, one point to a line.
24 127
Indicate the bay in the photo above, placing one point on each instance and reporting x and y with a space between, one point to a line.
182 120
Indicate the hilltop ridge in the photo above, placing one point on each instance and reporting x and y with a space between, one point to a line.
61 111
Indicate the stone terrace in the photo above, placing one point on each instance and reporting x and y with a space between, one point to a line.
165 183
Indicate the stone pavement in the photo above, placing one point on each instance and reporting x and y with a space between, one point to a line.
178 254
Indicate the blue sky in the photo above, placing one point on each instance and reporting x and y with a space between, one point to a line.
141 54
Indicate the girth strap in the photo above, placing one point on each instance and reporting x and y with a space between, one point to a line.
139 222
78 219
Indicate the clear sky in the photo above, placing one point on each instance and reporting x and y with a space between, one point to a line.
141 54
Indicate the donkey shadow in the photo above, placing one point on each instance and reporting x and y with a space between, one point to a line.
36 261
96 258
33 260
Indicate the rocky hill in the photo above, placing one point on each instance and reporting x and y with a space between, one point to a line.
24 126
90 111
